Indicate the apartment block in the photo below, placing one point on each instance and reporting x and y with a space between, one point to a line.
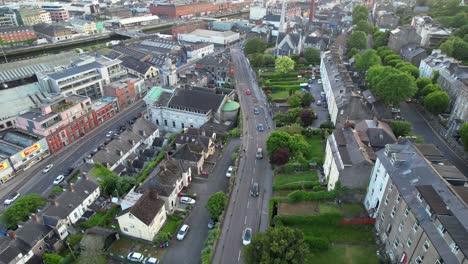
431 33
105 108
419 201
127 91
8 18
86 77
62 120
29 16
58 13
17 34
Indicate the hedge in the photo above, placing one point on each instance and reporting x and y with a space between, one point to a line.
298 196
323 219
317 243
296 186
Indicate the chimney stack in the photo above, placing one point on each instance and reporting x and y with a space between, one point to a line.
55 202
72 189
35 217
12 234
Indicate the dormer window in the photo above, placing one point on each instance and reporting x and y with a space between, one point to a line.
419 196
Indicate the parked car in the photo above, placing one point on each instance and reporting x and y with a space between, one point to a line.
254 190
47 168
182 232
229 171
135 257
211 223
319 103
110 133
256 111
319 81
59 179
187 200
260 127
10 199
151 260
248 92
247 236
395 110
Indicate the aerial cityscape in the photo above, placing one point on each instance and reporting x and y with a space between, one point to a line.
225 132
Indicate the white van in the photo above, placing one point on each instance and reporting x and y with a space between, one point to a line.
259 154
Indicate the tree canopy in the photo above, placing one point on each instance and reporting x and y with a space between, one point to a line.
464 135
423 82
400 128
430 88
312 56
364 26
358 40
360 13
456 47
254 45
216 204
368 59
306 100
111 183
284 65
437 102
277 140
20 210
380 39
391 85
277 245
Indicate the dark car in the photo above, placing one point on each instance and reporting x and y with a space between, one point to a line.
256 111
254 190
260 127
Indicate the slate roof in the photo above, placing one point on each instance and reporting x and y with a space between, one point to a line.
186 153
376 133
196 101
69 200
136 65
433 199
31 232
75 70
294 37
128 51
456 231
11 248
147 207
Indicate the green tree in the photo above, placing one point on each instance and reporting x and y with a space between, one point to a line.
277 140
111 183
400 128
437 102
360 13
430 89
277 245
284 65
380 39
269 59
391 57
455 47
20 210
216 204
312 56
384 52
306 99
464 135
51 258
368 59
364 26
459 20
394 88
256 60
307 117
294 129
254 45
408 68
461 32
358 40
353 52
423 82
294 101
375 74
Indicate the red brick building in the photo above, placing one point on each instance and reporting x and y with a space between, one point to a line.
188 10
16 34
105 108
126 91
186 27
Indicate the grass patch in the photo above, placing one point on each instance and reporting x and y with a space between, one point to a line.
172 224
281 95
282 179
308 208
328 208
353 210
316 148
101 219
338 254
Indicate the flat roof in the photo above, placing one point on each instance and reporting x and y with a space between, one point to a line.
211 33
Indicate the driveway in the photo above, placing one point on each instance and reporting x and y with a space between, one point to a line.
188 251
320 110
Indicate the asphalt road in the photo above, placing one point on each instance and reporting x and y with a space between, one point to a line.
246 211
34 181
320 110
189 250
421 127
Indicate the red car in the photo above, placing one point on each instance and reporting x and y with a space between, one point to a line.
248 92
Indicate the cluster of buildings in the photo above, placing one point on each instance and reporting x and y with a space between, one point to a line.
187 10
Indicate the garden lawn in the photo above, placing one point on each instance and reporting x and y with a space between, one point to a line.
316 148
172 224
348 210
282 179
338 254
281 95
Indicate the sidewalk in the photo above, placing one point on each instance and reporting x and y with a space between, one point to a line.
23 177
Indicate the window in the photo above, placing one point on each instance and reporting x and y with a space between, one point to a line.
165 122
386 200
419 196
409 242
130 216
173 124
382 216
125 229
157 122
429 210
182 125
75 215
406 211
439 261
418 260
393 212
398 199
441 229
396 243
400 226
454 248
391 188
416 227
426 245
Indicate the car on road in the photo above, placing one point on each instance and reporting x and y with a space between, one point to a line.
47 168
248 92
256 111
59 179
260 127
254 190
182 232
319 81
211 223
319 103
187 200
110 133
322 93
151 260
396 110
135 257
229 171
10 199
247 236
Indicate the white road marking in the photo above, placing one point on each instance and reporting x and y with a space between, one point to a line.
248 203
238 258
245 220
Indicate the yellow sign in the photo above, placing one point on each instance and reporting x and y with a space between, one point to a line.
30 150
3 166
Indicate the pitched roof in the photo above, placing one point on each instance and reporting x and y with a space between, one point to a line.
10 248
376 133
196 101
185 152
31 232
147 207
136 65
433 199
